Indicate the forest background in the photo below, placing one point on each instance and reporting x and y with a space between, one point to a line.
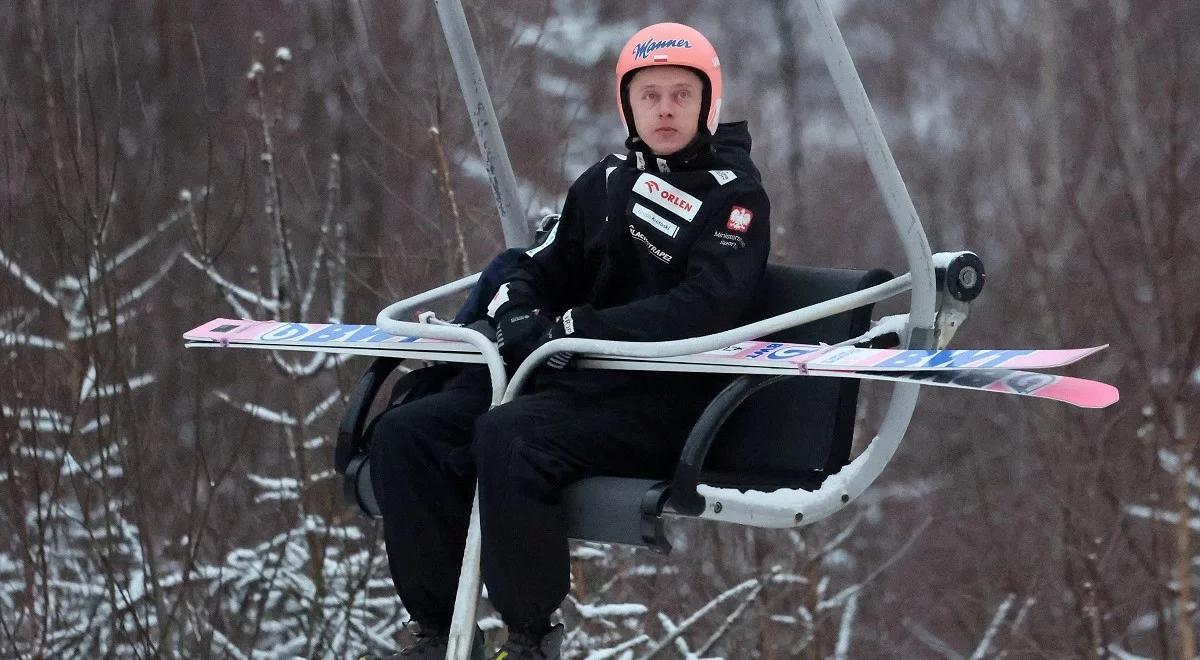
163 163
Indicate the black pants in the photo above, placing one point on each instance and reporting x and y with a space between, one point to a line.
427 454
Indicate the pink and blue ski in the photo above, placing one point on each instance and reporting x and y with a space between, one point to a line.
313 336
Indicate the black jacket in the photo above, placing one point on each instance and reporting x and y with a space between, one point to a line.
650 249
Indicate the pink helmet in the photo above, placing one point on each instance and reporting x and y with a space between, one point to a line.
671 44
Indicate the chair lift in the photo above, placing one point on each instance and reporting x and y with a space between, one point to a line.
768 451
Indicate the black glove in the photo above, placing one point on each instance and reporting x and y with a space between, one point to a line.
518 331
562 360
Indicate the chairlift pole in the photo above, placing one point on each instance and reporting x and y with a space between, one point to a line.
863 471
516 234
483 120
883 168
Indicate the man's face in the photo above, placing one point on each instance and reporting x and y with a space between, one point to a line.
665 101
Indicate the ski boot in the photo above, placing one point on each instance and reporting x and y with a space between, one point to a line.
431 645
547 646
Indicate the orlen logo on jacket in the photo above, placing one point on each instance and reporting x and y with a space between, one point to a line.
667 196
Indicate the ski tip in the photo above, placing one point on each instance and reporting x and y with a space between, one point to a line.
1099 395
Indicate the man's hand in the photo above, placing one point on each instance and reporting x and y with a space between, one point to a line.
519 330
562 360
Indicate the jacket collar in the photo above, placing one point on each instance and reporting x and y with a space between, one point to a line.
698 154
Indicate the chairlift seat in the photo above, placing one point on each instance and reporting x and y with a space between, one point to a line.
759 433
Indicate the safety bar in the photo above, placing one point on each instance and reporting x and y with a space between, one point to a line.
389 320
659 349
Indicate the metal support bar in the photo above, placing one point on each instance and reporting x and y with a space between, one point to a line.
883 168
860 473
483 120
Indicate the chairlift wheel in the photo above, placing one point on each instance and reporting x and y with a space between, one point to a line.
965 277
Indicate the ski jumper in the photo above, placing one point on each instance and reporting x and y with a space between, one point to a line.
647 249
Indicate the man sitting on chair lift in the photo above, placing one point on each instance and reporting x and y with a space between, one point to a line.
665 242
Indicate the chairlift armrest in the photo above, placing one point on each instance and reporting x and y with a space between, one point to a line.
389 320
414 304
684 497
660 349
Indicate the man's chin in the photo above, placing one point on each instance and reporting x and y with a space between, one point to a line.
664 149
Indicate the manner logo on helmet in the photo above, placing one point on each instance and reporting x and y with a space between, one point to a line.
642 51
668 196
739 219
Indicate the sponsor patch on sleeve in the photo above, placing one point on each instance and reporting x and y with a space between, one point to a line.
723 176
739 219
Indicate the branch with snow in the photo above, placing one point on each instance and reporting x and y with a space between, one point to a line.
260 412
989 635
233 291
31 284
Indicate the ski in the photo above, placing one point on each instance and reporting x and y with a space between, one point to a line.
766 358
349 338
316 336
1078 392
851 358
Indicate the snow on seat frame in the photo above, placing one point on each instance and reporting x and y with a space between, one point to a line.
767 510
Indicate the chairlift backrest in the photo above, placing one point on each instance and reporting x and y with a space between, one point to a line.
796 432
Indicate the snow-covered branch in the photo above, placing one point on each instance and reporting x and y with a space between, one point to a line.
233 290
846 629
31 284
33 341
989 635
260 412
